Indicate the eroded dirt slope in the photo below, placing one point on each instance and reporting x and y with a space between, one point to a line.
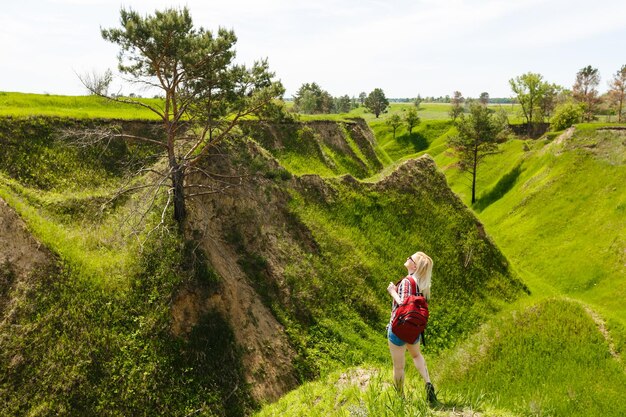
20 256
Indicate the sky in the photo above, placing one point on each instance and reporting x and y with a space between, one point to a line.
405 47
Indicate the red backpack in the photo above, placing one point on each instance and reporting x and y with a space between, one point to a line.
411 316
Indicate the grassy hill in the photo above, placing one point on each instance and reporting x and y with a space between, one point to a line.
90 335
139 325
548 358
556 208
324 147
315 247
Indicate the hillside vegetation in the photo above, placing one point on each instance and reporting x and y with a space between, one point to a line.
572 187
545 359
127 327
90 334
79 107
555 207
299 254
327 148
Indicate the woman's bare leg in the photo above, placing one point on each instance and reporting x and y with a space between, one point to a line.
397 356
418 360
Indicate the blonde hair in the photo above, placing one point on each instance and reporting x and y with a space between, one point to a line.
423 271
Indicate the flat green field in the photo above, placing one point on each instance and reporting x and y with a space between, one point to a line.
79 107
427 111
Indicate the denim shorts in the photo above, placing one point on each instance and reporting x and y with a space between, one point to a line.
396 340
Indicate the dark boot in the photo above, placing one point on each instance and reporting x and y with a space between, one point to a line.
430 394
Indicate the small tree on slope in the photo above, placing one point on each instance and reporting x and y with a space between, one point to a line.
457 105
478 134
394 122
411 119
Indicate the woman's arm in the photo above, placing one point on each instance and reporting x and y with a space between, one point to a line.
393 291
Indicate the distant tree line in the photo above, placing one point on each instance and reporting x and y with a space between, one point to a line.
313 99
542 101
448 99
480 130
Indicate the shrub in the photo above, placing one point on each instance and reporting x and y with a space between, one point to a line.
566 115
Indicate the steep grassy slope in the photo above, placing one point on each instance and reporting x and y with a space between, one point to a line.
125 329
319 250
323 147
90 334
551 357
557 209
424 136
545 359
301 263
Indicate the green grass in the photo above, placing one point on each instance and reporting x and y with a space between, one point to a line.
82 350
545 359
95 335
556 211
404 145
80 107
96 249
490 172
567 201
542 356
319 147
393 222
61 189
328 330
366 391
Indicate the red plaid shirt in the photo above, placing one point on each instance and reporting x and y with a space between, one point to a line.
404 290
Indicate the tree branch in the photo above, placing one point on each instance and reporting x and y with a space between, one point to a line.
234 122
90 137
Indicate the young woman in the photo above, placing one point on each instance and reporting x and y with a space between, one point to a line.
420 267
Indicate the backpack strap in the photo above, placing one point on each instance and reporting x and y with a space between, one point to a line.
416 291
413 281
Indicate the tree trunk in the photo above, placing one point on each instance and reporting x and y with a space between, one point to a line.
530 117
474 175
178 180
474 186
